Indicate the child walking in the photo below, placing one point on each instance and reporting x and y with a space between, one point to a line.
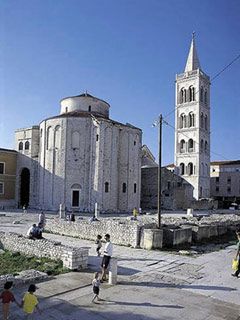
7 297
98 242
96 285
30 302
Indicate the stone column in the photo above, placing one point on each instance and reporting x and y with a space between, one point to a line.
153 239
113 271
61 211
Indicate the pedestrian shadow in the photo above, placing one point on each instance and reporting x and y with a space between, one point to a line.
143 304
179 286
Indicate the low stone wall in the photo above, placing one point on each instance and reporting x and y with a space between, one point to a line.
73 258
126 233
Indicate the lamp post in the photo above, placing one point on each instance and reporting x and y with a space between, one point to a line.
159 169
159 124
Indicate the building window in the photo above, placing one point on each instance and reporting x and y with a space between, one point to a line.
205 122
135 188
182 168
191 93
106 188
202 120
229 189
201 145
89 108
229 180
20 146
217 189
191 120
97 137
2 167
169 185
124 187
134 143
182 146
205 97
190 145
217 179
75 140
27 145
75 198
49 137
190 168
201 94
206 146
1 188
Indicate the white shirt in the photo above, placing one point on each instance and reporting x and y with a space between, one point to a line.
108 250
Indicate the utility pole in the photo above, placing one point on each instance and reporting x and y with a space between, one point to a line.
159 169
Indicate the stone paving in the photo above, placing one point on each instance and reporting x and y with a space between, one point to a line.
151 285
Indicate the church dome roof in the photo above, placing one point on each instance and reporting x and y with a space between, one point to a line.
86 103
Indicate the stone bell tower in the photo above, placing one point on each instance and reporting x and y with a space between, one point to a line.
192 125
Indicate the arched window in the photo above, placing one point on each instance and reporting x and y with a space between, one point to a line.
190 168
191 93
182 120
75 140
89 108
135 188
202 118
205 122
201 94
182 146
182 168
205 97
190 145
57 137
191 119
106 187
20 146
206 146
202 169
201 145
27 145
206 167
184 95
124 187
49 137
181 95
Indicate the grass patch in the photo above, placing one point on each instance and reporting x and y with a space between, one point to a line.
14 262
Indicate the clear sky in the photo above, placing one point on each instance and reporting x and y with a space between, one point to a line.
126 52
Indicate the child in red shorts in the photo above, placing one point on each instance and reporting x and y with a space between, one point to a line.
7 297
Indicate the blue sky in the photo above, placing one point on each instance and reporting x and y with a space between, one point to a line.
126 52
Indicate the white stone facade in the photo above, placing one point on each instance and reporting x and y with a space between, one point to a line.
81 157
192 126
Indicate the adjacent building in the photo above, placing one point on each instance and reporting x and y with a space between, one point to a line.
8 163
225 182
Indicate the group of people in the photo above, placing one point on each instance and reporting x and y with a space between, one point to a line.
107 254
29 301
237 256
36 230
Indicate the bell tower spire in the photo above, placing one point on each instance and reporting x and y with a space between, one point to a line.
192 60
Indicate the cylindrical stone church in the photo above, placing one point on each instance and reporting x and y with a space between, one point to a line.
79 158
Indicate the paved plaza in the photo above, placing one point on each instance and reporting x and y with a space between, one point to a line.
151 284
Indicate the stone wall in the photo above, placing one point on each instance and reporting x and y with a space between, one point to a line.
125 233
73 258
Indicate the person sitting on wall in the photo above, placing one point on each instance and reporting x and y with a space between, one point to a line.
32 232
39 231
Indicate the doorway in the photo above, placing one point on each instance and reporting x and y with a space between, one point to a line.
24 187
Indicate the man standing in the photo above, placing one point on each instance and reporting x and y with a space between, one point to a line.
107 254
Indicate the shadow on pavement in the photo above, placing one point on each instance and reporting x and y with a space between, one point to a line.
179 286
145 304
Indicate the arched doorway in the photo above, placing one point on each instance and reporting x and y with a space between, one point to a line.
24 187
